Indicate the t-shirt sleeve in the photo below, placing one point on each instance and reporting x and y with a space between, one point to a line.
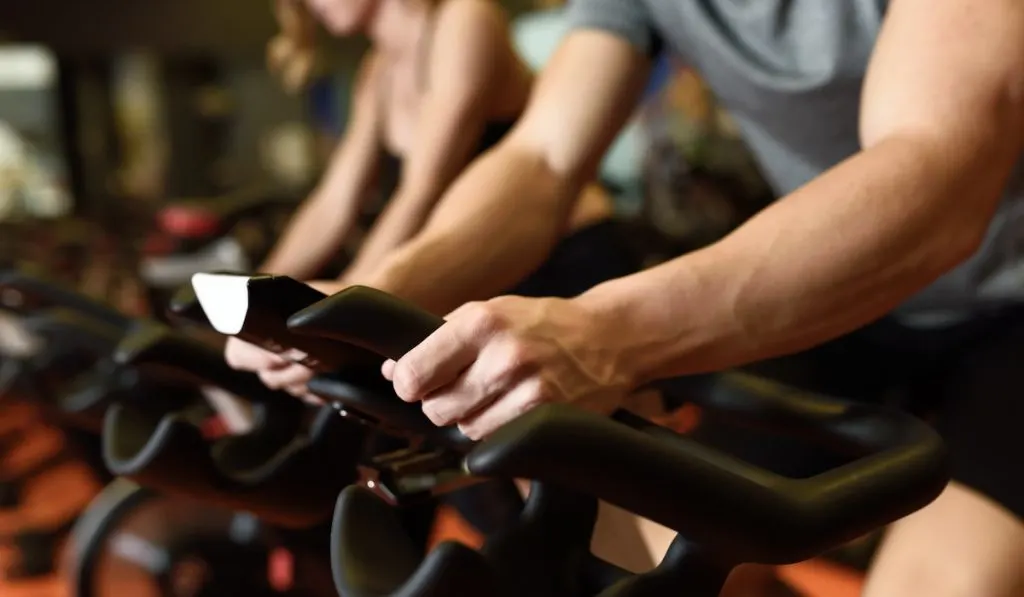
628 19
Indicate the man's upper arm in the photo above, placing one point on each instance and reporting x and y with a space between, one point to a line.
588 90
948 68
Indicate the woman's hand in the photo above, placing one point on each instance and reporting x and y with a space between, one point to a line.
493 361
275 371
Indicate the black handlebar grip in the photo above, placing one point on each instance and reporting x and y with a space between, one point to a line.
255 309
368 318
387 326
184 307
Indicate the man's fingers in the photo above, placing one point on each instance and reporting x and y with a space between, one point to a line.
525 397
497 370
439 359
388 370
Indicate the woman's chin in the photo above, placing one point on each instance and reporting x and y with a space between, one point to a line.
340 27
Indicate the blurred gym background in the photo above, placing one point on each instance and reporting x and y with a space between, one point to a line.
126 127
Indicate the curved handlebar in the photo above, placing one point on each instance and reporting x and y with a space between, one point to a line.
728 505
70 328
721 502
255 309
384 325
154 345
31 291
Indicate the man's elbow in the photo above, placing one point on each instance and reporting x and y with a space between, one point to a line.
964 228
968 176
550 154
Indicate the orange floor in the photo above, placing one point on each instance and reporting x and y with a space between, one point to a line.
49 499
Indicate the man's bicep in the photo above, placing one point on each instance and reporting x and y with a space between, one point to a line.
951 68
581 100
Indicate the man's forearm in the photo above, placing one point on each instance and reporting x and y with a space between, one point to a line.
495 225
833 256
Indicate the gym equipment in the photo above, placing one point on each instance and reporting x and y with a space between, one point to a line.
134 541
291 445
730 513
257 308
232 231
25 289
148 384
145 385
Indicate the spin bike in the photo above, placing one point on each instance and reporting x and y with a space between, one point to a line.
726 511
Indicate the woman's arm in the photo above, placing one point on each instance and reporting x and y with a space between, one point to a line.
499 220
470 66
942 125
321 224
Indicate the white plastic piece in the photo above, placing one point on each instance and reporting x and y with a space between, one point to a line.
225 300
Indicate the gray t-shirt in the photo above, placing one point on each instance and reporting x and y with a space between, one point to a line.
790 72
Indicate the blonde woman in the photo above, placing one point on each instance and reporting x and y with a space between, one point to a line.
440 85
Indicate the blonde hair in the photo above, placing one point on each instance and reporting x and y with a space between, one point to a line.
291 54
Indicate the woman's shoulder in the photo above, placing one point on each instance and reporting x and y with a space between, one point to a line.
482 15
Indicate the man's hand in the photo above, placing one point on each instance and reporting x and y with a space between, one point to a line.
492 361
275 371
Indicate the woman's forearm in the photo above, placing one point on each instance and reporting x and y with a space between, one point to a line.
494 226
312 237
402 219
835 255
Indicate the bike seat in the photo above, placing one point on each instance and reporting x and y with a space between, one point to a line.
204 217
24 290
729 506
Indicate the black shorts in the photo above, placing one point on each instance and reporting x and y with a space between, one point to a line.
583 259
966 379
